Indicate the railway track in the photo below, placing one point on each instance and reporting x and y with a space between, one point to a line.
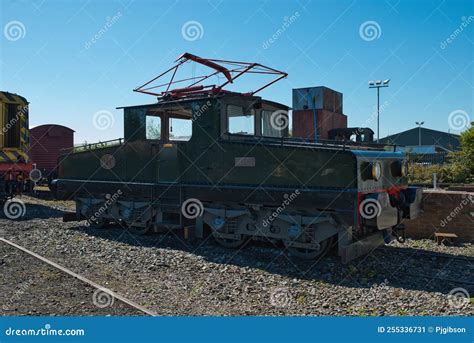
81 278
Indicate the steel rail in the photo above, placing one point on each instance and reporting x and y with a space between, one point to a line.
81 278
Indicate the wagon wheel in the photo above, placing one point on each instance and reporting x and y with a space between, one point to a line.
311 254
230 243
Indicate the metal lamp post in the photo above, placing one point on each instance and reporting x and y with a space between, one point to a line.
419 131
378 84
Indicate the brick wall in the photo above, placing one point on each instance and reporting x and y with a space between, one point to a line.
303 123
444 211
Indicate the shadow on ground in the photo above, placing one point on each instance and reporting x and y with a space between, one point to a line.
30 211
401 267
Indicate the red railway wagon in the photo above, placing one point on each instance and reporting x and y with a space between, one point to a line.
47 143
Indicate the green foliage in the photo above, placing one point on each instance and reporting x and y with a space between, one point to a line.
466 155
301 300
153 131
460 168
153 127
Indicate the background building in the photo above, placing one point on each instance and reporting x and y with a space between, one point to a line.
423 141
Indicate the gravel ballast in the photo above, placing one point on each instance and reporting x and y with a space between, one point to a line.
32 287
171 276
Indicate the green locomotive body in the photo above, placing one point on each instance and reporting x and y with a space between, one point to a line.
239 174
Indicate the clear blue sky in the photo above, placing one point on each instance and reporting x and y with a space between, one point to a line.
68 78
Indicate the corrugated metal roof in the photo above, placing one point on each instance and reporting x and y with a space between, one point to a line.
447 140
51 125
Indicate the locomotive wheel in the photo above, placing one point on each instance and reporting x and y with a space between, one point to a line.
230 243
98 223
138 230
311 254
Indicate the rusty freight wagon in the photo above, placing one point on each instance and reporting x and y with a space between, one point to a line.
202 156
48 143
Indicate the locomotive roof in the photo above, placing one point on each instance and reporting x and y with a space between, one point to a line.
12 98
50 126
227 95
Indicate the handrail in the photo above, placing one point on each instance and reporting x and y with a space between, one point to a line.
93 146
282 140
310 142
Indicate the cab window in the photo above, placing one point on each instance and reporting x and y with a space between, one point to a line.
240 121
153 127
180 129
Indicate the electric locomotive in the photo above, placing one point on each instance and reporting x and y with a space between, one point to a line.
203 157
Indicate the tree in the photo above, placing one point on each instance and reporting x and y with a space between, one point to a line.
460 169
153 128
464 159
467 141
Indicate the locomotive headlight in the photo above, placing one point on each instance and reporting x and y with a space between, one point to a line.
376 170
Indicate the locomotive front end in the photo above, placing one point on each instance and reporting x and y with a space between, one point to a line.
15 165
385 201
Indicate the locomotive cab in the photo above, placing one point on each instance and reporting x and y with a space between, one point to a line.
237 116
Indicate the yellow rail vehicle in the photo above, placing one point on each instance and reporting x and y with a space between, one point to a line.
15 163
